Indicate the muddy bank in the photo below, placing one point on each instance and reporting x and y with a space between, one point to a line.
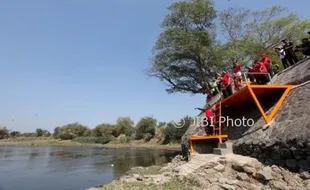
211 172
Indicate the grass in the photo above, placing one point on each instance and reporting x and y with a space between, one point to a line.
173 184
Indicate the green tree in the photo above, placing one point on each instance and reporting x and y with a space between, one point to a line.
56 132
72 130
145 128
103 130
4 133
124 125
173 134
15 134
39 132
249 33
186 54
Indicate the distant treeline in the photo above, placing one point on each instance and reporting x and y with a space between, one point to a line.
124 131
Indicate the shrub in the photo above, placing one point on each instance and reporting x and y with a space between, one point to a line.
56 133
124 125
147 137
4 133
103 130
173 134
85 139
15 134
144 126
70 131
39 132
92 140
103 140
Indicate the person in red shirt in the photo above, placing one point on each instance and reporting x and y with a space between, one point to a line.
263 78
226 84
208 119
237 76
267 62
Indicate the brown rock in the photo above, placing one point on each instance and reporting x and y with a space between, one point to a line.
243 177
249 170
278 185
219 168
264 175
304 175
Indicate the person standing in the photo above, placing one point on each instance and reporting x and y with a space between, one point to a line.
267 62
227 90
289 51
282 55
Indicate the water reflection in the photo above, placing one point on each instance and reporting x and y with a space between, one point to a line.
71 168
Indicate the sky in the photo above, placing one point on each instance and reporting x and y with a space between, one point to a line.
66 61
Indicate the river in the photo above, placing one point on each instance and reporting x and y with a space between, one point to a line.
63 168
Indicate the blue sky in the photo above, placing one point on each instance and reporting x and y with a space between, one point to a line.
84 61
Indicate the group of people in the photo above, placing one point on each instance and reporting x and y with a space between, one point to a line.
286 53
226 82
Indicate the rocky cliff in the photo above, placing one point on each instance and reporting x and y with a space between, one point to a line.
286 142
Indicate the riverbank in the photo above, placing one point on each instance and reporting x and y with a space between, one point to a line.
32 141
213 172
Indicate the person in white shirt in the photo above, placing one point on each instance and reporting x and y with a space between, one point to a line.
281 53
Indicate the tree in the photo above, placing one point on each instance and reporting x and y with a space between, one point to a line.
56 132
39 132
15 134
4 133
145 128
103 130
249 33
174 134
186 54
72 130
124 125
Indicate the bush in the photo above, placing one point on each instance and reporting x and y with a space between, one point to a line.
124 125
39 132
103 130
147 137
173 134
4 133
29 134
92 140
56 133
144 126
85 139
103 140
15 134
73 130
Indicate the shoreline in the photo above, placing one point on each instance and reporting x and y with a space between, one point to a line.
69 143
209 171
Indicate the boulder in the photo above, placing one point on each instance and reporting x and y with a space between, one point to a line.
264 175
219 168
243 177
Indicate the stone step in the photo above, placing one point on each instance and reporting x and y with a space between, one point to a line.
227 145
221 151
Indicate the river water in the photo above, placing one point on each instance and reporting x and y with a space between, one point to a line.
63 168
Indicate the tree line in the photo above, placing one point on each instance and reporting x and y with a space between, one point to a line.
187 53
123 131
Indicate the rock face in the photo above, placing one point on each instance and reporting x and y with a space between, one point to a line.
286 142
296 74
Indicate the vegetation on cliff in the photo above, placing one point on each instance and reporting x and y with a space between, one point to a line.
187 53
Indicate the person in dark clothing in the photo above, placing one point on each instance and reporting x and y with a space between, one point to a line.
185 149
289 51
